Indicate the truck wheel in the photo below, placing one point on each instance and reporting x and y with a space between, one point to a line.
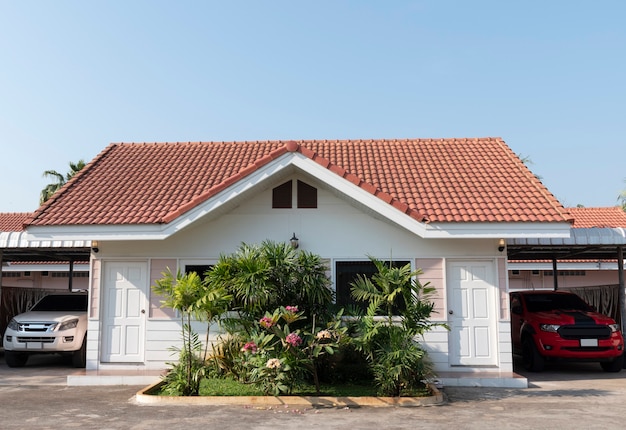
613 366
533 361
79 358
15 359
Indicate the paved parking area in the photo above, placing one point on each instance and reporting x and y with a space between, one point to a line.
572 396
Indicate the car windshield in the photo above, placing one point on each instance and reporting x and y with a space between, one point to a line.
551 302
62 302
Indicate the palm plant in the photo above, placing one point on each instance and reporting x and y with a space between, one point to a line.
398 312
60 180
192 297
271 275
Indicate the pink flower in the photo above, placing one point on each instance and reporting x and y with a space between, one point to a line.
293 339
292 309
250 347
266 322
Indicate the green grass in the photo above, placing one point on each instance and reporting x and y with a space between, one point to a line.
231 387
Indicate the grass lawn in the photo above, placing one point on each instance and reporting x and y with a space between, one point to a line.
230 387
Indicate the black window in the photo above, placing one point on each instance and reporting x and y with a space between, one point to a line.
346 272
281 196
200 269
307 196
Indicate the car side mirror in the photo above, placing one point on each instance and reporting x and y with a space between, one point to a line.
516 309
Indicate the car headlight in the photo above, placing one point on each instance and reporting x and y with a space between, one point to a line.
614 327
68 324
13 325
552 328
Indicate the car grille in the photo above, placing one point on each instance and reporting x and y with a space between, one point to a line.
585 332
35 339
35 327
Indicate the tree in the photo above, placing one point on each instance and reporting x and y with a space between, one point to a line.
61 180
622 198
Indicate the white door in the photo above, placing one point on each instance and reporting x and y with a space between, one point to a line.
124 292
472 313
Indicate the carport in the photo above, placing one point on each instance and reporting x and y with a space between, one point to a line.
18 247
583 244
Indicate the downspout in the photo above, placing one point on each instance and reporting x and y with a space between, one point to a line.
555 274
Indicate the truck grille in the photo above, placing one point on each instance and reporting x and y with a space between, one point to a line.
36 327
25 339
585 332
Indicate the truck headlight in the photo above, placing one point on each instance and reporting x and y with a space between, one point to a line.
68 324
13 325
614 327
552 328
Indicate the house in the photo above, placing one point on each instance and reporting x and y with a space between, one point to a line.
443 205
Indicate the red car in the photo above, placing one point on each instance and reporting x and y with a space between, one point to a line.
560 325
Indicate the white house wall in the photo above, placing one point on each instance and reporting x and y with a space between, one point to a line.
335 230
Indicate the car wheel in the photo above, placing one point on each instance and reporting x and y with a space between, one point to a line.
15 359
79 358
533 361
613 366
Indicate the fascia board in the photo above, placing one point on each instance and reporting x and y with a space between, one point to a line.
504 230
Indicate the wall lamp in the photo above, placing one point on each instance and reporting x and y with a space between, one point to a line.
94 246
501 245
294 241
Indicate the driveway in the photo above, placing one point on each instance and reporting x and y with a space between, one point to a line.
569 396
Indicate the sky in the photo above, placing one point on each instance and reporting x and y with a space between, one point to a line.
549 77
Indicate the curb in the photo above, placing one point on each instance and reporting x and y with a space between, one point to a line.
143 397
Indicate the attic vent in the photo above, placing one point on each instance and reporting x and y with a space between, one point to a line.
306 196
281 196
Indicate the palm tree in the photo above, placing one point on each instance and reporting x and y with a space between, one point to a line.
52 188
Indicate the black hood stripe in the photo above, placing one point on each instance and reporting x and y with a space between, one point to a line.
580 317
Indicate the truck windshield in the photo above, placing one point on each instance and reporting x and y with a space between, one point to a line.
552 302
62 302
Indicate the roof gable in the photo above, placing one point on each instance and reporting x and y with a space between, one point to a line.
438 180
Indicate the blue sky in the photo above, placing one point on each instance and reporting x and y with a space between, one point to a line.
549 77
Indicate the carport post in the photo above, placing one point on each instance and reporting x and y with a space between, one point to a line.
1 262
555 274
71 278
622 292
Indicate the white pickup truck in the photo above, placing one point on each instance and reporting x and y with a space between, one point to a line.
55 324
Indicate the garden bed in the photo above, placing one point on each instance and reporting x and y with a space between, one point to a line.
151 396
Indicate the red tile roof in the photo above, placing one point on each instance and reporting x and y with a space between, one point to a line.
14 221
610 217
440 180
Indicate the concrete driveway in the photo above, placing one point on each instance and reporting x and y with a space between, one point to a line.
572 396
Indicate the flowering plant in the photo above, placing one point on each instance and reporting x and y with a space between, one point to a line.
277 358
293 339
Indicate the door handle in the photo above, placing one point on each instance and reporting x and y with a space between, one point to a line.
451 312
